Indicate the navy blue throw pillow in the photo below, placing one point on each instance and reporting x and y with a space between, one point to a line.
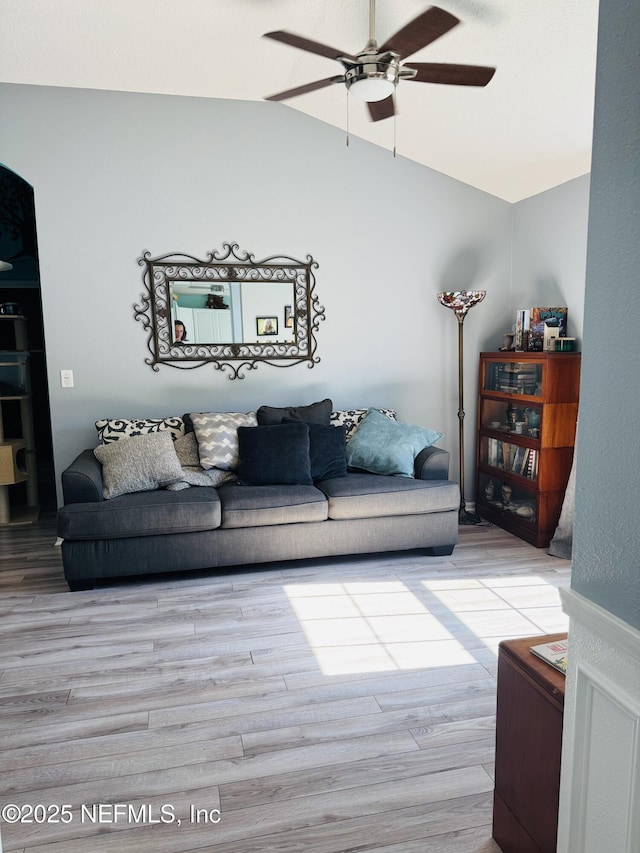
326 450
274 455
316 413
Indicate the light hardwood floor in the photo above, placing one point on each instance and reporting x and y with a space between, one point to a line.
326 706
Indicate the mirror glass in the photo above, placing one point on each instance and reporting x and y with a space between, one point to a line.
229 310
232 312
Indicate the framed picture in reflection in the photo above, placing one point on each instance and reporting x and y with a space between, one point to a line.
266 326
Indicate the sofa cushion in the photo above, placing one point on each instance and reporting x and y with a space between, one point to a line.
112 429
315 413
141 514
383 446
260 506
217 435
138 463
363 495
350 418
274 455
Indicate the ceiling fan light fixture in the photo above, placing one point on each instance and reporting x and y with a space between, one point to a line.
373 81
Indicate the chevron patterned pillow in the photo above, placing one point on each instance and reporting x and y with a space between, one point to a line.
217 435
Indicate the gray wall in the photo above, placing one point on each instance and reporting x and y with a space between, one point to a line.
550 251
117 173
606 565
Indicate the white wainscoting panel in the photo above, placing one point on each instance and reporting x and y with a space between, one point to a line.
600 781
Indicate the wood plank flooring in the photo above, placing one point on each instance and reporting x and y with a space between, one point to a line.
321 706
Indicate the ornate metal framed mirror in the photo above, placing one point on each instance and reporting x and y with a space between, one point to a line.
229 310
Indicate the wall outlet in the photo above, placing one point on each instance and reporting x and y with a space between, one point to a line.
66 378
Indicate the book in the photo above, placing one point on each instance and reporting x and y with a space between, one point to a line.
519 460
553 653
530 326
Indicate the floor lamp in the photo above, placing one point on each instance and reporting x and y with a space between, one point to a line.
460 302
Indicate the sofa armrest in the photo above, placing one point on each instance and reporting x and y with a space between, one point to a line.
82 480
432 463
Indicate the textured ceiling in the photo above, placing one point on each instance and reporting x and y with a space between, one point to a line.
528 130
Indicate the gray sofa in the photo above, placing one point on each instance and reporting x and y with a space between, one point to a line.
207 527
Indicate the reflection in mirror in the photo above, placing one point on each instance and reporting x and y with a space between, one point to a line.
229 310
228 313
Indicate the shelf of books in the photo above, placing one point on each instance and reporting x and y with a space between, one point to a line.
527 415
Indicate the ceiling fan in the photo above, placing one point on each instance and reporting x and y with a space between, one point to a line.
373 74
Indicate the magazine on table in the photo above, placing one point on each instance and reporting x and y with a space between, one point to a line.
553 653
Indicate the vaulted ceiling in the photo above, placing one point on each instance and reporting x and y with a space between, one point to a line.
527 131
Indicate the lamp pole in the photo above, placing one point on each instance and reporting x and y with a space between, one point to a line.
461 302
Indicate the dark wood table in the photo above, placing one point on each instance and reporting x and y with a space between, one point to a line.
528 748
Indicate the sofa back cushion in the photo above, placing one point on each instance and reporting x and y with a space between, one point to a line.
112 429
315 413
351 418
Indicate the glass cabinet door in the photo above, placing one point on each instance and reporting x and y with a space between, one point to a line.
510 417
514 377
507 498
506 456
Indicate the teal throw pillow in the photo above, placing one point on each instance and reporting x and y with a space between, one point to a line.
383 446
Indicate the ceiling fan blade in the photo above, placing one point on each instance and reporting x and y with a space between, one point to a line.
453 75
307 44
308 87
423 30
379 110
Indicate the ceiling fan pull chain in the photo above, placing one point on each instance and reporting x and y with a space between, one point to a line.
395 122
347 96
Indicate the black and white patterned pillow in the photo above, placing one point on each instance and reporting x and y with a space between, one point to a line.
112 429
350 418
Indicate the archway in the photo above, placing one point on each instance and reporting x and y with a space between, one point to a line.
28 473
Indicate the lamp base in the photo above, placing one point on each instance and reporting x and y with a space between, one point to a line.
466 517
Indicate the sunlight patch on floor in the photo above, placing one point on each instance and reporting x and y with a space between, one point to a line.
379 626
372 627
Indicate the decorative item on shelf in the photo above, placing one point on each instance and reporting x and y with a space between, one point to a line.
11 308
215 301
461 302
564 344
532 418
507 342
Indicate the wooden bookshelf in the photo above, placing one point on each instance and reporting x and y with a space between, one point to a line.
527 417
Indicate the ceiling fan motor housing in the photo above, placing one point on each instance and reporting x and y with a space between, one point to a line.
374 77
